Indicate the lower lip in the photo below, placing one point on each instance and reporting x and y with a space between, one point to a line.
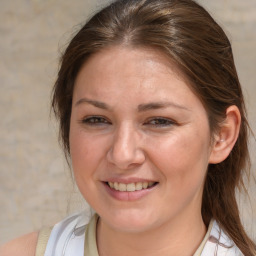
127 195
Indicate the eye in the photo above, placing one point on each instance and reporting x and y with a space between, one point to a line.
95 120
160 122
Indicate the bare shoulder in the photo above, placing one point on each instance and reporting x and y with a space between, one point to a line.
22 246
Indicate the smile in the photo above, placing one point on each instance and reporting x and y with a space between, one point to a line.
131 187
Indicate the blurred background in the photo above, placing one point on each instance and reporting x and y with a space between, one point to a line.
35 184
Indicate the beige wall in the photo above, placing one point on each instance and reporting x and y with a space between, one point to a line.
34 182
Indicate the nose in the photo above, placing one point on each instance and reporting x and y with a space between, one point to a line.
125 151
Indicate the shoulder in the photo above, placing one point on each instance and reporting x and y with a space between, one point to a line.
22 246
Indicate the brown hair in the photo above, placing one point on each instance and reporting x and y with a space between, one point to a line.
188 35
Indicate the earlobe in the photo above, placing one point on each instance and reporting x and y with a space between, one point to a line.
227 136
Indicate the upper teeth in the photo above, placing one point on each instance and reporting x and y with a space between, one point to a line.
131 186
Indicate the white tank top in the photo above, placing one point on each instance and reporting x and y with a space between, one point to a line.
74 236
68 236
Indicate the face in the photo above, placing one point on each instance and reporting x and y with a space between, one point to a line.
139 140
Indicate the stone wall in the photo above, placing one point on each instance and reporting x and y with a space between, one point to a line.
35 186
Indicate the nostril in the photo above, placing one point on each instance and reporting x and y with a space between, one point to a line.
125 158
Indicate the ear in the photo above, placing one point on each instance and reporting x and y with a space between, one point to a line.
227 135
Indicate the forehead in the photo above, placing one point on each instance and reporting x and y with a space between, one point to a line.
125 79
129 74
138 64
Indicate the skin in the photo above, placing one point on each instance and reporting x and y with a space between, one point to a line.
22 246
118 89
135 138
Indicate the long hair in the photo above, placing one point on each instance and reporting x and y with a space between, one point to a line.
186 33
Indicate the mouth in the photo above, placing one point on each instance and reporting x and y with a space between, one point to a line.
131 187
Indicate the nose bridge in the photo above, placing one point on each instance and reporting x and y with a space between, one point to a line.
124 142
125 149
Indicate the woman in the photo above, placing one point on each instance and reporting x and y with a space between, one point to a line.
152 118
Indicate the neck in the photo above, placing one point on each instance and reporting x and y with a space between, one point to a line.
178 238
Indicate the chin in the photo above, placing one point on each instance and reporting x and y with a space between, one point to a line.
130 222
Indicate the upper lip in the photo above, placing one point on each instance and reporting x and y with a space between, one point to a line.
129 180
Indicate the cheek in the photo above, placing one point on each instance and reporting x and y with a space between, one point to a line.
85 158
181 159
183 171
87 154
83 152
79 149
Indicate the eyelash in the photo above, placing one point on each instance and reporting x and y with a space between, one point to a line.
95 120
161 122
153 122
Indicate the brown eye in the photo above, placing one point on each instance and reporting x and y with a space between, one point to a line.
95 120
160 122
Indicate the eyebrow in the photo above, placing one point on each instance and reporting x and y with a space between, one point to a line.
141 107
95 103
159 105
